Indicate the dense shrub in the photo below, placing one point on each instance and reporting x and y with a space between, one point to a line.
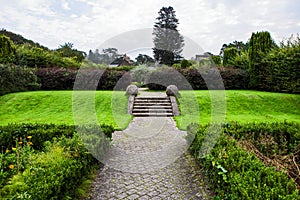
17 79
114 79
233 78
238 174
7 50
140 72
162 77
33 56
40 133
270 138
87 79
57 169
56 78
280 68
52 174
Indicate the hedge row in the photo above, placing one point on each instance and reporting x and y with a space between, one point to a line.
236 173
269 138
41 133
212 78
17 79
86 78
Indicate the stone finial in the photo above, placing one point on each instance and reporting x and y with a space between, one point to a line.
132 90
172 90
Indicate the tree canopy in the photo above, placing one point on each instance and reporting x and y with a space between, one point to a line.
168 43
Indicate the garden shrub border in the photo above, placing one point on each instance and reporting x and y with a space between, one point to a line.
238 174
55 169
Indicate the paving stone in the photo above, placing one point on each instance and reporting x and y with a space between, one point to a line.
149 160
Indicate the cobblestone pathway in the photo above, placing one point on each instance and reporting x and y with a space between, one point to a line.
149 160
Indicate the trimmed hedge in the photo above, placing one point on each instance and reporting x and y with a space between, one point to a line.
233 78
64 78
238 174
47 161
17 79
269 138
40 133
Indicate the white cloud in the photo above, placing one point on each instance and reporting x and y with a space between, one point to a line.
88 23
65 5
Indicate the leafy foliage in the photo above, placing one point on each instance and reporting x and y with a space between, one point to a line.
46 160
232 78
229 56
106 57
282 68
140 72
17 79
67 50
20 40
144 59
64 78
259 45
238 174
33 56
7 50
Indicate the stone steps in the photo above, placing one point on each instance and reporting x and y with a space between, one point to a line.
152 107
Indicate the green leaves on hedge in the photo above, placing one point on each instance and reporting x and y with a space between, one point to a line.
238 174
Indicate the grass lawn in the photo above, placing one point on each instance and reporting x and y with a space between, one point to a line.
239 105
110 107
57 107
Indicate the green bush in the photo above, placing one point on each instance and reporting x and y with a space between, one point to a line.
17 79
41 133
233 78
139 73
54 173
33 56
280 68
238 174
269 138
46 161
185 63
7 50
88 79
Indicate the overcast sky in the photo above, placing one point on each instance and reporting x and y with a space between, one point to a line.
89 24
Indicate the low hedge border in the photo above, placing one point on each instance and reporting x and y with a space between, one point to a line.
47 161
238 174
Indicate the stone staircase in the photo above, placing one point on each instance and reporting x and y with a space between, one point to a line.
152 106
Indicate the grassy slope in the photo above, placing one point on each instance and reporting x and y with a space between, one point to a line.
56 107
246 106
110 107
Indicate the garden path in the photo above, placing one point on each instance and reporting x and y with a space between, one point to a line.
149 160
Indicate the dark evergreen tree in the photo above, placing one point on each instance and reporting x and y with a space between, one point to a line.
168 43
259 45
144 59
67 50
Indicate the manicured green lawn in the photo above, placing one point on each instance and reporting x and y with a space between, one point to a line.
241 106
56 107
110 107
